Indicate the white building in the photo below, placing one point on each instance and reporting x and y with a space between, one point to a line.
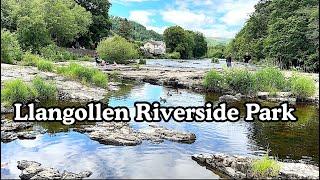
155 47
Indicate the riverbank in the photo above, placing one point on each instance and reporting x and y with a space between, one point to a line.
180 76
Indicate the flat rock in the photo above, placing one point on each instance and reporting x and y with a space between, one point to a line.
229 98
34 170
121 134
240 167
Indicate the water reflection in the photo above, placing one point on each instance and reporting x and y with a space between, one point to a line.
68 150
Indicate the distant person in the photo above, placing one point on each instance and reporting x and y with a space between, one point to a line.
96 58
247 58
228 60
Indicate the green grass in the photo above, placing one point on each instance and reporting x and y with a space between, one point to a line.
241 80
265 167
29 59
142 61
17 91
44 65
214 81
44 90
270 79
84 74
302 86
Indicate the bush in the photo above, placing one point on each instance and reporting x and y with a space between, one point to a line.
85 58
44 90
265 167
84 74
55 53
241 80
44 65
214 60
10 47
142 61
17 91
29 59
302 86
116 49
173 55
270 79
214 81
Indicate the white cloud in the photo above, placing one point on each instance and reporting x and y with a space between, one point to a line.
142 17
186 18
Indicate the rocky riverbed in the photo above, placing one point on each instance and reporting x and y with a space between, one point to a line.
121 134
34 170
240 167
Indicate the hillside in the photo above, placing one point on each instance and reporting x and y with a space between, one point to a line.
139 32
213 41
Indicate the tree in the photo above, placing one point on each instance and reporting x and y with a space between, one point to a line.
200 48
125 29
117 49
10 47
101 25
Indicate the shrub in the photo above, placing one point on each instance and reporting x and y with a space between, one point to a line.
241 80
173 55
265 167
117 49
29 59
85 58
84 74
44 90
142 61
214 81
10 47
55 53
302 86
215 60
270 79
44 65
17 91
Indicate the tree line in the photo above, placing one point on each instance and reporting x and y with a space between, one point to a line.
283 32
187 43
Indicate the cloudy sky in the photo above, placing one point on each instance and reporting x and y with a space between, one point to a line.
214 18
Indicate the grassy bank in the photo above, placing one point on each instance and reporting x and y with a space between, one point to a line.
265 80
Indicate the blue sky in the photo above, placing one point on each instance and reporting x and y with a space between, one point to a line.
214 18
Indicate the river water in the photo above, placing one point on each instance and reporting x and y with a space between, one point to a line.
65 149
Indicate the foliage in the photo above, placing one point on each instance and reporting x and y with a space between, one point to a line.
188 43
55 53
138 31
101 24
117 49
142 61
39 22
17 91
125 29
270 79
216 51
44 65
265 167
214 81
29 59
284 31
302 86
44 90
173 55
10 47
84 74
241 80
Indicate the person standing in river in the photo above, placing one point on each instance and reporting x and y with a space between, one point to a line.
228 60
246 58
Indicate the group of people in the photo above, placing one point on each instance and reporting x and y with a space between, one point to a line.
100 61
246 59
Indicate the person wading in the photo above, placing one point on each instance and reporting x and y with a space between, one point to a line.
228 60
246 58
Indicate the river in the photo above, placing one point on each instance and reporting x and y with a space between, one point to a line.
65 149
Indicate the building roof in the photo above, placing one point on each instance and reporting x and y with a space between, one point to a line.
156 42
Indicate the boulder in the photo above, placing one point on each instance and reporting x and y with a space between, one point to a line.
228 98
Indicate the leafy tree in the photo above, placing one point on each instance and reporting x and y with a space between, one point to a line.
125 29
101 25
10 48
200 48
117 49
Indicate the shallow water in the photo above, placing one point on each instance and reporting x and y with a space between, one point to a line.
68 150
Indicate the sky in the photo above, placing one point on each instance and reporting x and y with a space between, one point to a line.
214 18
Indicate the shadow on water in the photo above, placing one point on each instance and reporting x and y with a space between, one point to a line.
65 149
